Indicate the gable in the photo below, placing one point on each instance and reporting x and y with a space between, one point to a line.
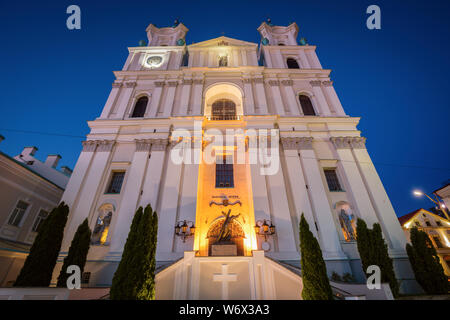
222 41
423 214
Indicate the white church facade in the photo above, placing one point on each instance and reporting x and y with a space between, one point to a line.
170 94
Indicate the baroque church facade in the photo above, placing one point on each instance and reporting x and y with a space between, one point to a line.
323 168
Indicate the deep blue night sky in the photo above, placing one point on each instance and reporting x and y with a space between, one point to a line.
53 80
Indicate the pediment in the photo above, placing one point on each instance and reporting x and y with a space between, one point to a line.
222 41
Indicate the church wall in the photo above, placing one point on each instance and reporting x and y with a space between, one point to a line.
183 192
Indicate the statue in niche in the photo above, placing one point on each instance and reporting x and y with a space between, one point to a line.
100 232
223 61
347 226
225 231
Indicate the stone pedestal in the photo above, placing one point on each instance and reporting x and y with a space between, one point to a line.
224 250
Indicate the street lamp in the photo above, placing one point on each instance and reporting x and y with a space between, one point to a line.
440 205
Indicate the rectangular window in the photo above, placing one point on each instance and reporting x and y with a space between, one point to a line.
332 180
18 213
38 222
116 182
224 173
438 242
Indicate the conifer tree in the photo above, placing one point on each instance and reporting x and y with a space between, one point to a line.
316 285
38 267
77 252
425 263
135 276
120 286
373 251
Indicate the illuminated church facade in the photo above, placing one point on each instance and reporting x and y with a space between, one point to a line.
227 229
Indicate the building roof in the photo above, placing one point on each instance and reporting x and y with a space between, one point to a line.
29 169
441 188
407 217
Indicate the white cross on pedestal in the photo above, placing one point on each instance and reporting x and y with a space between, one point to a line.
224 277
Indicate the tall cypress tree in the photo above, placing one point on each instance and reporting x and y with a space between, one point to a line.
38 267
373 251
135 276
77 252
316 285
425 263
120 288
146 285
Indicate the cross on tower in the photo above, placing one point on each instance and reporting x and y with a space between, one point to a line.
224 277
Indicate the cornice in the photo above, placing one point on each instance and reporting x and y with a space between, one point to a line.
349 142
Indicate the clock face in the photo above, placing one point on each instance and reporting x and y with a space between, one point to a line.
154 61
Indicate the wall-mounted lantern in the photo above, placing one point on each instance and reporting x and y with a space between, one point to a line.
184 229
264 228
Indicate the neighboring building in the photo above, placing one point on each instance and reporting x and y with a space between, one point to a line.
437 228
29 190
444 193
321 168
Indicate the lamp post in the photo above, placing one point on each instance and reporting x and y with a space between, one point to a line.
184 229
441 206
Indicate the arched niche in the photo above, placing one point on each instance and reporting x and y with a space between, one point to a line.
237 234
220 91
346 220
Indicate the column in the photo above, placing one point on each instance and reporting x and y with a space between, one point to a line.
153 173
185 96
378 195
260 96
297 183
156 100
276 94
111 100
329 89
131 191
170 97
198 97
261 206
248 92
188 203
244 57
201 62
211 59
88 189
304 60
291 97
355 185
124 100
321 101
79 172
281 216
330 244
314 61
168 210
235 58
279 59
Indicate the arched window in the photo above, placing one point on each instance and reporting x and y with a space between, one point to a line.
140 107
307 107
223 109
281 44
292 63
100 232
